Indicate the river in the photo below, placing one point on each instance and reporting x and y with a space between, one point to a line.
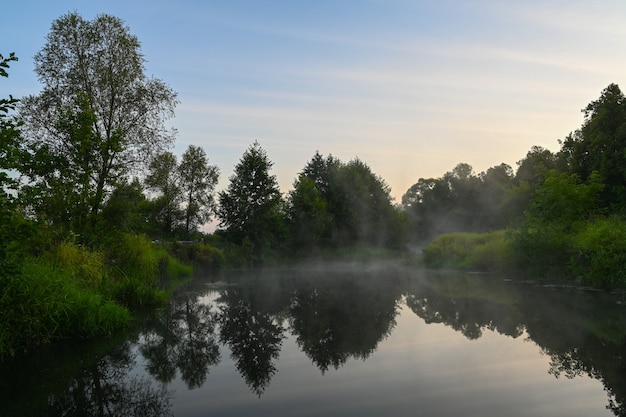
347 339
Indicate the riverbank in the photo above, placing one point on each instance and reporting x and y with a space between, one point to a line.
69 291
591 253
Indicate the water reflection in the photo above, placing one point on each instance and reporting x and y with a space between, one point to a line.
583 332
99 381
253 337
332 317
335 323
106 388
182 339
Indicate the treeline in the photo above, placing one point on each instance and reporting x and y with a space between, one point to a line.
564 211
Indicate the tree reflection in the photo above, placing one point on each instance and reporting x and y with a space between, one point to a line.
467 305
106 388
254 338
583 333
182 339
336 322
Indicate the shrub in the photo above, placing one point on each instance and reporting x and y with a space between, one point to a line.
138 270
45 302
199 254
86 265
482 251
599 254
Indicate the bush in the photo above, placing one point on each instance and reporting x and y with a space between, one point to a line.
86 265
481 251
542 250
45 302
139 268
599 254
199 254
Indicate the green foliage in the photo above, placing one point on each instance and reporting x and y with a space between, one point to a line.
198 180
9 130
562 198
183 193
459 201
599 253
126 210
559 208
310 220
199 255
97 117
600 146
251 208
88 265
337 205
45 302
475 251
166 213
138 268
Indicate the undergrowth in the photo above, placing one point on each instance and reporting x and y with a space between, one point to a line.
71 291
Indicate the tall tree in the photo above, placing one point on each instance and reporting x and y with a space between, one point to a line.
164 181
600 145
98 113
250 208
197 182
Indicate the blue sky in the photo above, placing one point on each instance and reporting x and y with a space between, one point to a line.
410 87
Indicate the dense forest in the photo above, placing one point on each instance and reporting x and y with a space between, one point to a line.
97 214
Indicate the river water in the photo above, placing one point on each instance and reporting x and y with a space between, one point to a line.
342 339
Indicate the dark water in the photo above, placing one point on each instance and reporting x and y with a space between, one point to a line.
349 340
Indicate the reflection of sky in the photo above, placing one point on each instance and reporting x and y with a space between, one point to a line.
411 87
420 369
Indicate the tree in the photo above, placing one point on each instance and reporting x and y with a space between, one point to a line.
163 179
197 182
13 227
9 129
127 208
496 185
310 221
600 145
250 208
364 213
536 165
98 115
342 204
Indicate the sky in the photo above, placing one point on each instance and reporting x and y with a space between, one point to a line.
412 88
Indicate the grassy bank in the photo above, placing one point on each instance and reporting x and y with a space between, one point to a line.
69 291
470 251
590 253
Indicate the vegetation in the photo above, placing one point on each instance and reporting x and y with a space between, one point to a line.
96 211
567 209
490 251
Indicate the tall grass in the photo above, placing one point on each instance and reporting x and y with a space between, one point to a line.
74 292
139 269
471 251
45 302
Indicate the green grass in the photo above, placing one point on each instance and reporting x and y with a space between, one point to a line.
71 291
470 251
45 303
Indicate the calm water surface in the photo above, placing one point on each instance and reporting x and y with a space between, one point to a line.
345 339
